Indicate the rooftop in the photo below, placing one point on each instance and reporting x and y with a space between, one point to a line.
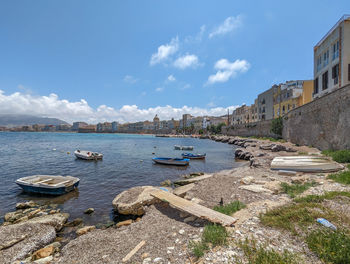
343 18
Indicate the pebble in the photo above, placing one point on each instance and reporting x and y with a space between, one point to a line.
157 260
181 231
89 211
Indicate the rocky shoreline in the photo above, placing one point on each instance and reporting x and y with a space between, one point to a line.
159 233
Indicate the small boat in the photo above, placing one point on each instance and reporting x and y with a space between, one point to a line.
178 147
305 164
88 155
193 156
48 184
172 161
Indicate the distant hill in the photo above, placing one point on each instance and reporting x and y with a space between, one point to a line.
12 120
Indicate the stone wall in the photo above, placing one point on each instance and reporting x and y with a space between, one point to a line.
257 129
323 123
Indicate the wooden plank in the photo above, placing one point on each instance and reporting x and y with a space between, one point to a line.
194 209
132 252
194 179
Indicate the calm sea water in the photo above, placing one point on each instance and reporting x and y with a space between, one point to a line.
126 163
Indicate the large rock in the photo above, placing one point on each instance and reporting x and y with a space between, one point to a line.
23 239
133 201
55 220
26 205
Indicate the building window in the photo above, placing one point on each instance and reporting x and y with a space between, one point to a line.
335 50
316 86
325 58
335 74
325 80
319 63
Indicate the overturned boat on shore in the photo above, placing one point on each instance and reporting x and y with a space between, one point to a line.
48 184
88 155
171 161
305 164
193 156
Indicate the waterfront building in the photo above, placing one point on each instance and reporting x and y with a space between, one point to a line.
87 129
290 95
156 122
114 126
77 125
265 104
105 127
253 112
63 127
241 115
332 59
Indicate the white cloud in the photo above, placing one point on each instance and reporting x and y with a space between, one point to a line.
189 60
165 51
229 25
129 79
171 78
159 89
52 106
186 86
227 70
197 38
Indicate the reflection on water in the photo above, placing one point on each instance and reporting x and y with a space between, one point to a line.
127 163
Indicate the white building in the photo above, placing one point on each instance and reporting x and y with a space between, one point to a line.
332 59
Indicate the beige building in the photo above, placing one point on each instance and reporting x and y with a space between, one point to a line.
332 59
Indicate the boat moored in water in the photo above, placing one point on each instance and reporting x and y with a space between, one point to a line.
178 147
172 161
48 184
193 156
88 155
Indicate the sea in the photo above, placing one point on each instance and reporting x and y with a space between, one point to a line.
127 162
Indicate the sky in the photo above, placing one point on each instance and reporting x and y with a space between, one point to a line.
126 61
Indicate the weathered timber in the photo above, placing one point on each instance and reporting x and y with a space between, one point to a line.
132 252
194 179
194 209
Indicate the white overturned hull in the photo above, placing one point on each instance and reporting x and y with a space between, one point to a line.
305 164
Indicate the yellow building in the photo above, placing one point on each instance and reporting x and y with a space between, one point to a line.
290 95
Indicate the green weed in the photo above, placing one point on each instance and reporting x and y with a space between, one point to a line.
341 156
294 189
230 208
341 177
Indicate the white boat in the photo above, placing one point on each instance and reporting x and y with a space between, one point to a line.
48 184
305 164
88 155
178 147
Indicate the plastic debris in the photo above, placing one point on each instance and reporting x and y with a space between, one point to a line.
326 223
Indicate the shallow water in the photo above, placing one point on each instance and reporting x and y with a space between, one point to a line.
126 163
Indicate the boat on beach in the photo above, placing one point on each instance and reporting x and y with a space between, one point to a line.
48 184
193 156
178 147
171 161
88 155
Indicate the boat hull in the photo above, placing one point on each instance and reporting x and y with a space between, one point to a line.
193 156
174 162
48 184
83 155
49 191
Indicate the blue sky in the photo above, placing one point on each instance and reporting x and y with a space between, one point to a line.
134 58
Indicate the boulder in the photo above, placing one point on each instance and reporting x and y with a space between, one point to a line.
247 180
274 186
277 148
75 222
89 211
132 201
85 229
266 146
22 239
55 220
26 205
124 223
43 252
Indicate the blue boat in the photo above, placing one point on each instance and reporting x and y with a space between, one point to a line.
171 161
48 184
193 156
